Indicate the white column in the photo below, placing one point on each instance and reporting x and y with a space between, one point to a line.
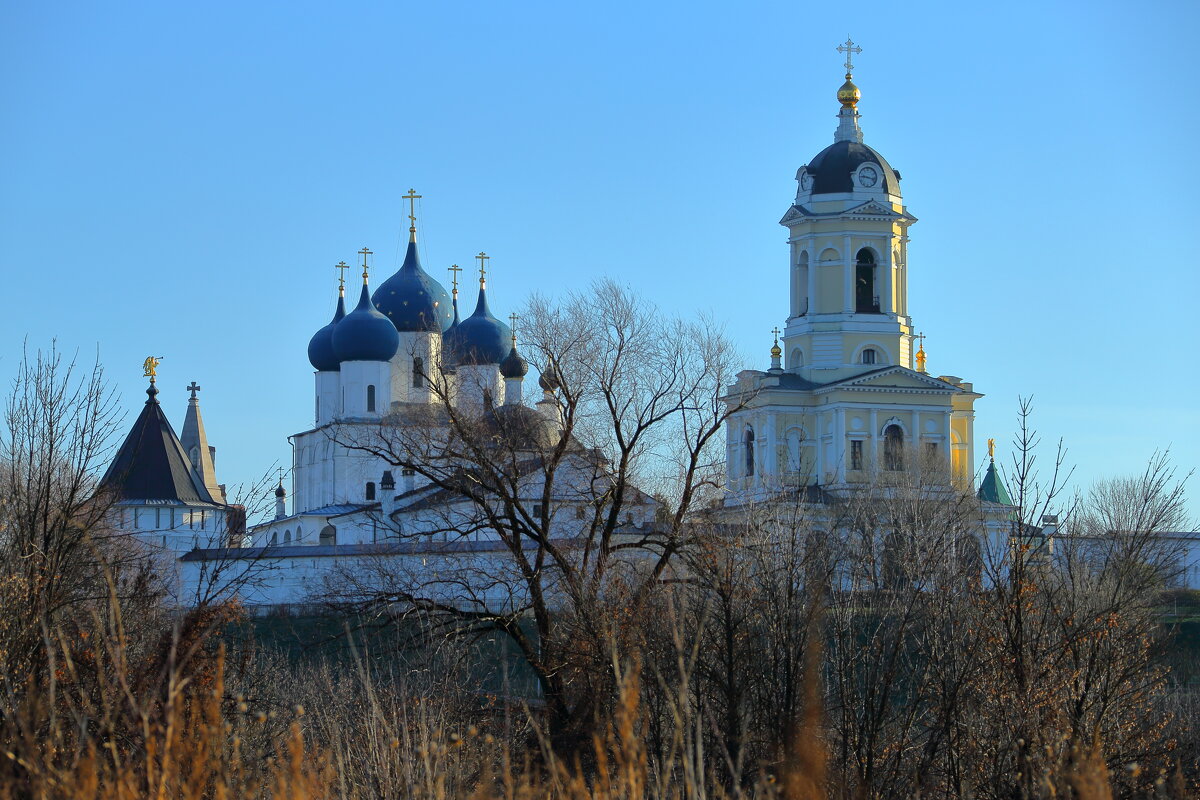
848 270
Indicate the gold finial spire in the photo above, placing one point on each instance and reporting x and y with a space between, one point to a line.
454 269
364 253
483 258
150 367
776 352
341 267
992 449
921 353
849 95
412 197
513 319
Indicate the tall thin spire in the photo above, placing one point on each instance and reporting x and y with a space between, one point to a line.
195 444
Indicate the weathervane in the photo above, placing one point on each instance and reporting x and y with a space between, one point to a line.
850 49
150 367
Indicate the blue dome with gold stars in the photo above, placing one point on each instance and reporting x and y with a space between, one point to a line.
364 334
481 338
320 346
412 300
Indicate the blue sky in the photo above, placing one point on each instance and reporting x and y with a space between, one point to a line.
180 179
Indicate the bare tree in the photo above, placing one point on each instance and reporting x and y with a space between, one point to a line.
574 512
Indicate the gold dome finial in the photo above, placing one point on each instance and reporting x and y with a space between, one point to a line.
921 353
776 351
849 95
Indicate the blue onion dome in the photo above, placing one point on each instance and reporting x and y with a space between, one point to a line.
513 366
320 346
412 300
549 380
481 338
365 334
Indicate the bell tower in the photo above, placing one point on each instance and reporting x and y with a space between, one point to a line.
848 240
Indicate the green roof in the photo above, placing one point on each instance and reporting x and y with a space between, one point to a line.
992 489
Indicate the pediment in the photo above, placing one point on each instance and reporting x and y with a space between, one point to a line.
894 378
794 214
872 208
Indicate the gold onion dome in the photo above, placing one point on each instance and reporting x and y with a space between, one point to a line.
849 95
776 351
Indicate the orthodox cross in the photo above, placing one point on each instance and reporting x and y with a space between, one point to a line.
454 269
341 267
193 389
775 331
364 253
483 258
513 318
280 475
849 48
921 337
412 197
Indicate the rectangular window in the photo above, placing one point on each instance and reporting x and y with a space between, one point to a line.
931 451
856 450
537 509
418 373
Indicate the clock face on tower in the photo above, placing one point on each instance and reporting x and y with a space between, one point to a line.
868 177
805 181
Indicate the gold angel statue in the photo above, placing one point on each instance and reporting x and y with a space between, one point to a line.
150 367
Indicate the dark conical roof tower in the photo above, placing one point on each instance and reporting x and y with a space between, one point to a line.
152 464
992 488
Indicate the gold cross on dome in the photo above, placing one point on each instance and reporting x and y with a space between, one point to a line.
921 338
412 197
849 48
454 269
364 253
513 319
341 267
775 331
195 387
483 259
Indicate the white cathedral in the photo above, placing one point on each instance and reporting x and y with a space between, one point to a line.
846 398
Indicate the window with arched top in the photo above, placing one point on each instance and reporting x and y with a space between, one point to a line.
866 301
796 359
371 397
748 439
893 448
800 299
328 535
370 490
868 355
418 372
274 538
287 536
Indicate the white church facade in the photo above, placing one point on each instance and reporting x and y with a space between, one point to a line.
847 401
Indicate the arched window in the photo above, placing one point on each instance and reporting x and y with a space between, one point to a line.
868 355
371 397
274 538
418 372
370 490
797 358
749 440
865 299
287 536
328 535
893 448
800 298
